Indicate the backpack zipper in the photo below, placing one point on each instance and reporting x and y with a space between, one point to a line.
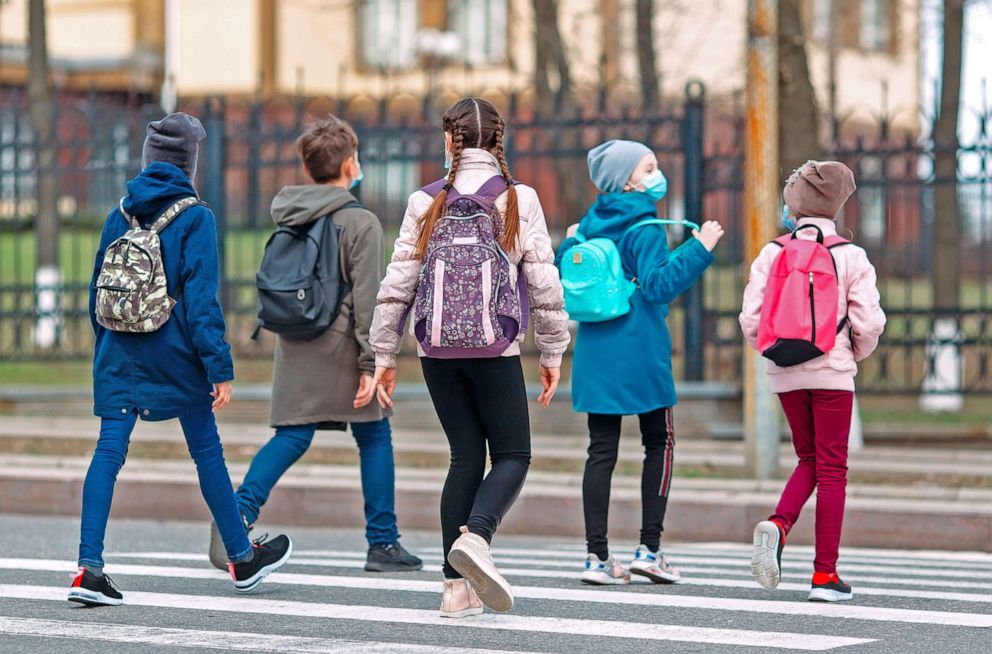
812 308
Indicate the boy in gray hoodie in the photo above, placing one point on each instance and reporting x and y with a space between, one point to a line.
326 382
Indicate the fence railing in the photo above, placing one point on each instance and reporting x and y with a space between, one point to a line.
249 154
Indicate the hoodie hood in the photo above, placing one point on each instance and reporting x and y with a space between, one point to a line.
154 189
614 213
295 206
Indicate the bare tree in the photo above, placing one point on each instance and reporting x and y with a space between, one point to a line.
47 277
647 63
799 121
947 230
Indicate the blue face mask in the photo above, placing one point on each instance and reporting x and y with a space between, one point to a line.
358 180
788 222
655 185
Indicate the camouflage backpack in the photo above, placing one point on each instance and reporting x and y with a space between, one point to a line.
131 290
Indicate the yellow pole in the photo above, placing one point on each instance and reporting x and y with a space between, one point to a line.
761 206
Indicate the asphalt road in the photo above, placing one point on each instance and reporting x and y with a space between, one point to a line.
322 601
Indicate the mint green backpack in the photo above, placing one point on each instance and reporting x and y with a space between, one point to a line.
596 289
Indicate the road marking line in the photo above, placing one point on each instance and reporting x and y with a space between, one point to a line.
570 626
356 562
227 640
678 601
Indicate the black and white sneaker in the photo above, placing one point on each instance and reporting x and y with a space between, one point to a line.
91 590
766 560
391 557
829 588
269 557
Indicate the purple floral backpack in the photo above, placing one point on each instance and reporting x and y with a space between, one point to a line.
467 306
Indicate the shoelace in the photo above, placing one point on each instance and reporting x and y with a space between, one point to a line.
111 582
259 543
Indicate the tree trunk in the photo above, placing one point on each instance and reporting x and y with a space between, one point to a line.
553 104
48 279
947 230
798 125
646 56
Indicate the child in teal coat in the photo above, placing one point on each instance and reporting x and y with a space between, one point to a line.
624 366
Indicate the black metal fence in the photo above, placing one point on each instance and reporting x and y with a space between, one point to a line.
249 154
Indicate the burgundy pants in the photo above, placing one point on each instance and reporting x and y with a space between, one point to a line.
820 421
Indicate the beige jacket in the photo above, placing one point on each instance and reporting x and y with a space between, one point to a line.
858 300
534 251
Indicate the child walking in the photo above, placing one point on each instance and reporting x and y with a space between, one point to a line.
160 351
326 382
813 377
623 366
472 261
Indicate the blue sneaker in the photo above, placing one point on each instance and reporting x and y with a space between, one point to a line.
653 566
603 573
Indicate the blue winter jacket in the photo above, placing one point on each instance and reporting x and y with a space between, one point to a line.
169 372
624 366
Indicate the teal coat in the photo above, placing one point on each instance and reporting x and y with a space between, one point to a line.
624 366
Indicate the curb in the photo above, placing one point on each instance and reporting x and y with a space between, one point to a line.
542 509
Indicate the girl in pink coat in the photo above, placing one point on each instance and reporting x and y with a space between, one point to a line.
816 396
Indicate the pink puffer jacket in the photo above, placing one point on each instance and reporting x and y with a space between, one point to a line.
858 300
547 301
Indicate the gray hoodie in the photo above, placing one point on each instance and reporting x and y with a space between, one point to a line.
315 381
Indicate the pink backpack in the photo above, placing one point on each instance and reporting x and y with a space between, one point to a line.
799 311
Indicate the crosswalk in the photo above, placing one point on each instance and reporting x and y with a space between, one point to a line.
942 594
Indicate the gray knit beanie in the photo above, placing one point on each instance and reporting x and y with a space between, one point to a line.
612 163
818 189
175 139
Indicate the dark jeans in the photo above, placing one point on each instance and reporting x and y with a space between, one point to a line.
375 451
658 438
479 402
204 446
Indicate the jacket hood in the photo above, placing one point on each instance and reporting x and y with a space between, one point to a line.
156 187
295 206
614 213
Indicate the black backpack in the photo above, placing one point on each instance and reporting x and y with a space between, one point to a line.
299 283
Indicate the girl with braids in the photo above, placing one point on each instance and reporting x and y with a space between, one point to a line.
441 273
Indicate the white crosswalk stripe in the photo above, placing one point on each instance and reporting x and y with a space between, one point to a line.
717 583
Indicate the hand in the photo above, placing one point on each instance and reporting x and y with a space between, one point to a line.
385 384
572 231
222 395
366 391
710 234
549 379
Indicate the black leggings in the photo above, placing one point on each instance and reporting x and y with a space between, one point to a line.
658 438
479 402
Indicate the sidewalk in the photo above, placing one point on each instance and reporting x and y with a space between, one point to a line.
43 462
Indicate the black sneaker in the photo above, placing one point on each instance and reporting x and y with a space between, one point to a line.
91 590
766 560
269 557
391 557
829 588
218 552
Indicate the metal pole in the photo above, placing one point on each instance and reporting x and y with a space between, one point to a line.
170 56
761 206
692 162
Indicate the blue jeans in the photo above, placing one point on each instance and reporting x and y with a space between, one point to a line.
204 446
375 448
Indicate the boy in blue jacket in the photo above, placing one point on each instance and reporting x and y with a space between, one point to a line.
181 370
624 366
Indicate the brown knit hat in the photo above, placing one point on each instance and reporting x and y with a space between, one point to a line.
818 188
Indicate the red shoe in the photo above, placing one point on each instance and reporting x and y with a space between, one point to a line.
827 587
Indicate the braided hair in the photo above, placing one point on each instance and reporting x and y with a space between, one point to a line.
473 123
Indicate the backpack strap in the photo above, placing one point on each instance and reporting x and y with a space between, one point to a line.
835 241
494 187
434 188
662 221
173 212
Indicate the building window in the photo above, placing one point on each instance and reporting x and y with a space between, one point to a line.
875 23
482 28
388 33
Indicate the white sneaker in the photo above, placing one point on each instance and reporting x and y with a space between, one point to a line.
653 566
603 573
473 559
766 559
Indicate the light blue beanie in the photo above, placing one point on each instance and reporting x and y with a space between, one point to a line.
612 163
